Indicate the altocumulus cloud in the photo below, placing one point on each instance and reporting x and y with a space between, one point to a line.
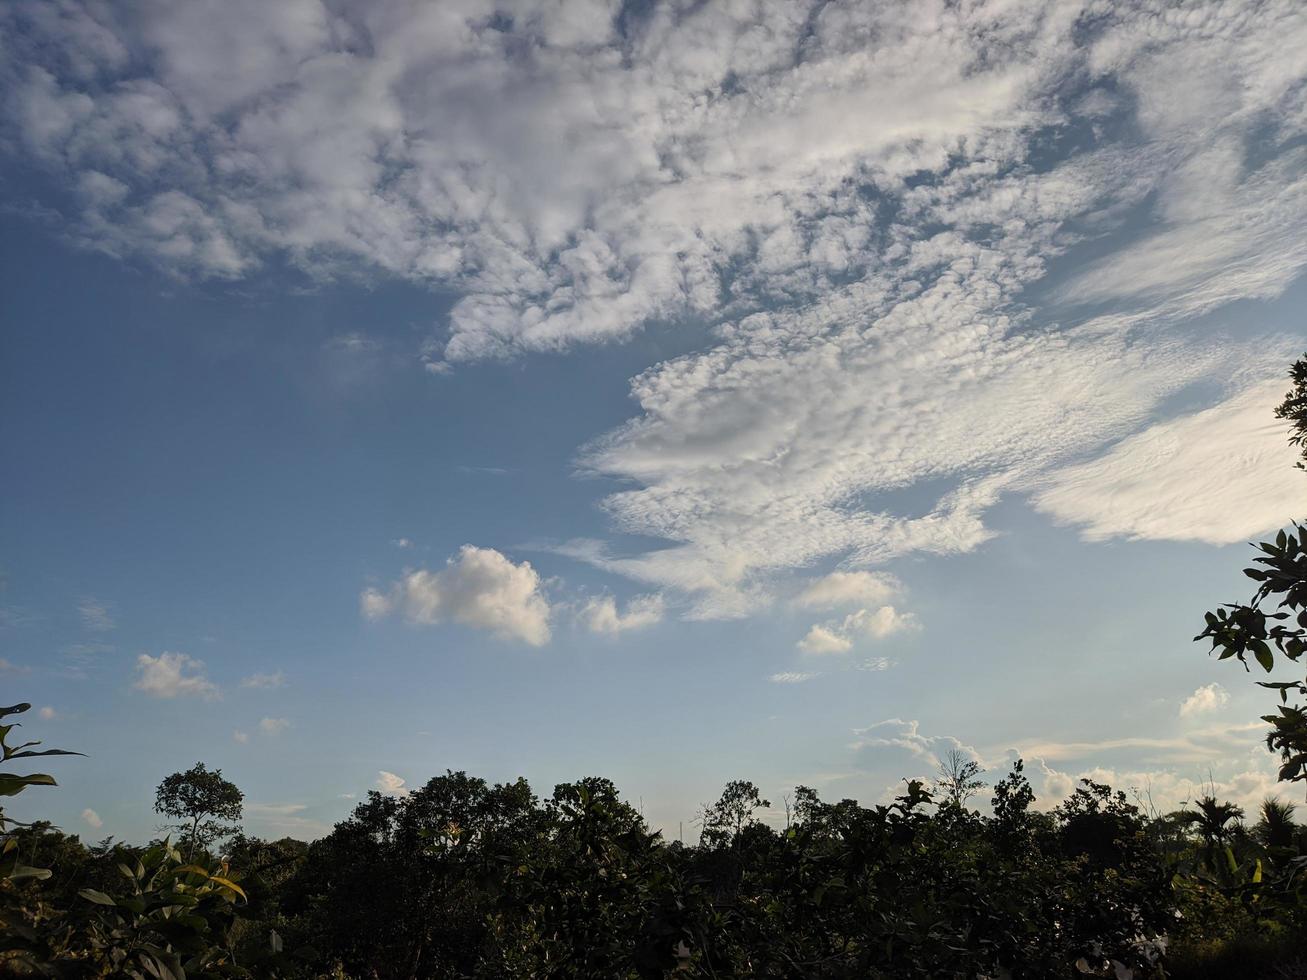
478 587
858 198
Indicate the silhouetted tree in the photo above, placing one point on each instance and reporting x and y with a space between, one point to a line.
959 778
204 804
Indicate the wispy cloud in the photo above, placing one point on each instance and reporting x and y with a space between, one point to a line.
849 589
1220 475
792 677
96 614
264 682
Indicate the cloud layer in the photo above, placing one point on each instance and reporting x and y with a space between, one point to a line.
954 246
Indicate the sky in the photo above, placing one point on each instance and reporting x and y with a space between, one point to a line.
673 392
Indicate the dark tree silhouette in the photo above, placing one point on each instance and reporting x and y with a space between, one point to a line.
203 804
959 778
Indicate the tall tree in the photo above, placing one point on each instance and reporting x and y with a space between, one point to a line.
204 805
959 778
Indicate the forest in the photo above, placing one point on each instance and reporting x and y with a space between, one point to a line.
463 879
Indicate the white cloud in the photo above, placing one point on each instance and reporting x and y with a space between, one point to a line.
264 681
849 589
1164 789
880 623
47 713
403 543
819 639
896 733
273 726
600 614
857 199
96 614
1221 475
876 624
8 667
876 664
1208 698
172 675
391 785
479 587
791 677
1202 746
240 737
92 819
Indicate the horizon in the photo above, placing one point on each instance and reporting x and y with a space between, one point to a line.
668 393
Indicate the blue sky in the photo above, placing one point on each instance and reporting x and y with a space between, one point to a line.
676 393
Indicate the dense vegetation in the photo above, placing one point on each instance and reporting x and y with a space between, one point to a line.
464 879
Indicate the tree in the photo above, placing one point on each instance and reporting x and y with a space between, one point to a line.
959 778
723 821
1276 828
1275 618
200 800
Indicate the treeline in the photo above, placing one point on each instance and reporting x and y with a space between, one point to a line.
464 879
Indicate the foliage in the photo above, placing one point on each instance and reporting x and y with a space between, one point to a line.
201 799
1275 618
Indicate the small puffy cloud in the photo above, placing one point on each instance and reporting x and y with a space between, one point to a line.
240 737
47 713
791 677
92 819
478 587
883 622
876 664
391 785
1207 698
273 726
601 615
172 675
819 639
264 681
402 543
849 589
96 614
876 624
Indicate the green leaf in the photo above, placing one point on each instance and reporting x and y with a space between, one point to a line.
99 898
23 871
11 784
